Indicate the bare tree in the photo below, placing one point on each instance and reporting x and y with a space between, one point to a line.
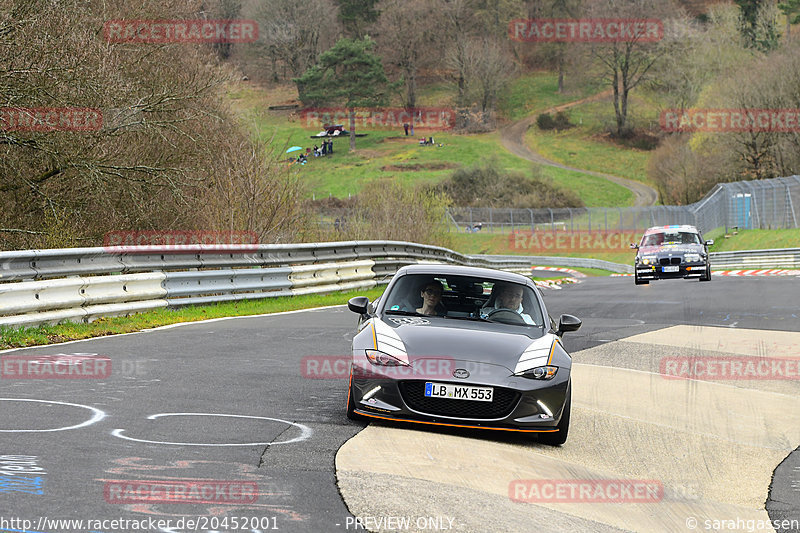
225 10
629 61
494 15
406 34
459 27
164 125
559 54
293 33
489 68
698 55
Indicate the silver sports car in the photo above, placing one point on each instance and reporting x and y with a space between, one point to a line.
461 346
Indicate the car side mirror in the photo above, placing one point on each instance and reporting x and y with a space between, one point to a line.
568 323
709 242
358 304
634 246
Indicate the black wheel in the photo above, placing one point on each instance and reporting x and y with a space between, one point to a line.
707 275
638 281
351 405
559 437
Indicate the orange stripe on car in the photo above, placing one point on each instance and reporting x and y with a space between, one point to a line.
374 336
552 349
349 386
457 425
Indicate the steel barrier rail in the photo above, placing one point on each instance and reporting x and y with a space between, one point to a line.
51 286
580 262
38 296
78 298
180 284
756 259
44 264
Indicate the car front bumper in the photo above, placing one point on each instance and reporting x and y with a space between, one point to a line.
519 404
685 270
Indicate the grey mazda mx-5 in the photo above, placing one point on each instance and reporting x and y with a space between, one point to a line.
461 346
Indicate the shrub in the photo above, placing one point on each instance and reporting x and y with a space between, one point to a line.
488 185
386 209
545 122
560 122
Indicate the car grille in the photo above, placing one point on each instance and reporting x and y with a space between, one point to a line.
670 261
414 395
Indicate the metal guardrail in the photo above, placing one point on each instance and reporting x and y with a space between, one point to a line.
82 284
580 262
756 259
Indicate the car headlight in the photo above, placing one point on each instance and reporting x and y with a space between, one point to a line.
649 259
383 359
691 258
540 372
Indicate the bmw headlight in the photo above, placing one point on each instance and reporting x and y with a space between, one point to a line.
383 359
691 258
540 372
649 259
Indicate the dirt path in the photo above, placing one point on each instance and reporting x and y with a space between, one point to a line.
513 138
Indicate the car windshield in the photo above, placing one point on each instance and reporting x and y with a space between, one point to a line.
467 298
671 237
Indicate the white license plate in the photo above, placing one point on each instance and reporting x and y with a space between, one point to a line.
458 392
675 268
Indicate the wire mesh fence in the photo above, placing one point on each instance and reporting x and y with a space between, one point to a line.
758 204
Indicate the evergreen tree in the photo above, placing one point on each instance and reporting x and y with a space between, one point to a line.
348 74
759 32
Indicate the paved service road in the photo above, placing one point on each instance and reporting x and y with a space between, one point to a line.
223 408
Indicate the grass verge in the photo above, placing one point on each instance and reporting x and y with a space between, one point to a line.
587 146
47 334
501 244
537 92
753 239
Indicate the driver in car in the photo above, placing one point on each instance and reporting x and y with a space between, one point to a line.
509 296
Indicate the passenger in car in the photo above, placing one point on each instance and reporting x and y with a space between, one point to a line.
432 299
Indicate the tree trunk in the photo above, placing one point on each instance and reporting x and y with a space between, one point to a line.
411 89
462 91
616 103
352 129
624 108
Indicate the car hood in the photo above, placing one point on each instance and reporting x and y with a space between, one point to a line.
671 248
462 340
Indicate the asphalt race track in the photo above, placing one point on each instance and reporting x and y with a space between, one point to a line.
230 410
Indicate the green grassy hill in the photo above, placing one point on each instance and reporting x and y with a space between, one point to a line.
389 153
